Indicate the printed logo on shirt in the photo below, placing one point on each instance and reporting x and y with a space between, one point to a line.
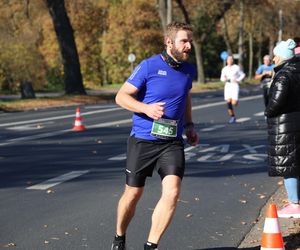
135 72
162 72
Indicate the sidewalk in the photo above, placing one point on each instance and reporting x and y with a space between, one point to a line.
290 228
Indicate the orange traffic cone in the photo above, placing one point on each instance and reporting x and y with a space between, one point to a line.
272 237
78 126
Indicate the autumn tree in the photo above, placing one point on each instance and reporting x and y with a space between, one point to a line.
206 15
140 34
20 59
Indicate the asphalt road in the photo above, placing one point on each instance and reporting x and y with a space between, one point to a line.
59 188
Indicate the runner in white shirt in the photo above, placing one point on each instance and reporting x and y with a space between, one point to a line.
232 75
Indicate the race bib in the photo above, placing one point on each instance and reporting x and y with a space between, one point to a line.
164 129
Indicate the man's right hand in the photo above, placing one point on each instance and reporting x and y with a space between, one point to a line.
267 72
155 110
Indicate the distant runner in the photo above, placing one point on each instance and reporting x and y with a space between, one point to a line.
232 75
264 75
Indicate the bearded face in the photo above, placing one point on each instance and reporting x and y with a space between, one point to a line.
180 55
180 47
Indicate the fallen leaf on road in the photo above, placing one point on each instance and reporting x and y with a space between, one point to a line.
243 223
11 245
188 215
243 201
50 191
182 201
46 242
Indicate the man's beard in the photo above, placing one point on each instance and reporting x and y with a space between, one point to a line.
180 56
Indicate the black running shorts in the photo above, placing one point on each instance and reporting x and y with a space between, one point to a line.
143 156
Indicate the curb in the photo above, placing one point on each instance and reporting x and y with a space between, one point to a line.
289 227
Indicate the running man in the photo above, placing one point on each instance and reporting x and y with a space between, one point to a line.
158 92
232 75
264 75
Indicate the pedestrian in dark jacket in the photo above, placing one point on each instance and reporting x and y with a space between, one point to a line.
283 118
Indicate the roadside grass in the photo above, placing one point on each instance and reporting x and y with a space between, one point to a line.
103 95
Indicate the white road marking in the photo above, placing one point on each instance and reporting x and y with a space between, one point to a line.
58 117
120 157
57 180
243 119
108 124
30 126
208 105
32 137
259 113
50 134
255 157
212 128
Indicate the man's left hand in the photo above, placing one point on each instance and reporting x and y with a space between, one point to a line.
192 136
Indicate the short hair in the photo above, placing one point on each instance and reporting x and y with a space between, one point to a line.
267 57
174 27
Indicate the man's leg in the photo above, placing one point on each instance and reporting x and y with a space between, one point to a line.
126 207
165 207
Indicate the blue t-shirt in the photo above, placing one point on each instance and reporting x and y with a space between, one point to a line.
158 82
264 67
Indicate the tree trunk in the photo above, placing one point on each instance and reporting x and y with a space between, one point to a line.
241 34
250 56
280 26
271 46
226 36
199 61
65 37
259 56
169 11
162 11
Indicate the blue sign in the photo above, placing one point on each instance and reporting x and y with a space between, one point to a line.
224 55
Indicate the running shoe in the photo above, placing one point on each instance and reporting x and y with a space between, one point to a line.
146 247
289 211
118 245
232 119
